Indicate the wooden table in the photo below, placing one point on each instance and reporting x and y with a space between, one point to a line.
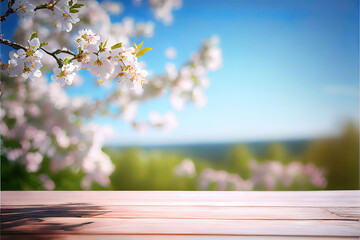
180 215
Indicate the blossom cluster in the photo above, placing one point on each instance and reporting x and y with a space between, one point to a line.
41 117
185 168
92 15
46 123
63 12
112 7
223 181
25 63
163 9
119 63
163 122
185 85
266 175
189 83
269 174
25 10
115 63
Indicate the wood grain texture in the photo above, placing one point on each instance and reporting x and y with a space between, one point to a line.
204 198
193 212
181 215
189 227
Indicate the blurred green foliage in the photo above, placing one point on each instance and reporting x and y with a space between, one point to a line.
277 151
238 160
139 169
340 157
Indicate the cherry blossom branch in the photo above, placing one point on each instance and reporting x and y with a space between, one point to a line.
9 11
58 51
53 54
11 44
49 6
63 51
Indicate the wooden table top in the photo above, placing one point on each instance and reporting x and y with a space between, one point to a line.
180 215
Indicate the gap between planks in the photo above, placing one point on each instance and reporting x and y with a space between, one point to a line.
106 226
291 199
167 237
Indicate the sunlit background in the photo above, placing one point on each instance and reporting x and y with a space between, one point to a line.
282 109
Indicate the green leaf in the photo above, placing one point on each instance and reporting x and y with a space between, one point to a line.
67 60
73 10
142 51
43 44
33 35
105 42
77 5
118 45
139 46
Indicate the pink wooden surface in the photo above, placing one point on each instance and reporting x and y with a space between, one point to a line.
180 215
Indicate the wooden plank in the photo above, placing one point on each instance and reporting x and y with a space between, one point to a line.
89 226
231 213
205 198
182 212
180 215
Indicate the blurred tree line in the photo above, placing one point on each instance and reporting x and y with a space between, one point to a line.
137 169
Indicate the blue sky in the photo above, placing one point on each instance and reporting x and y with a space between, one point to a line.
290 70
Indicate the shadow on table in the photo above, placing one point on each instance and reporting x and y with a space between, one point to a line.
35 215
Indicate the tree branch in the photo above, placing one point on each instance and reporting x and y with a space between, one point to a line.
64 51
11 44
53 54
9 11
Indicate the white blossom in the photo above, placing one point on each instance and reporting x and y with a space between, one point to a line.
170 53
166 122
270 174
120 63
185 168
223 180
144 29
32 161
25 9
87 40
113 7
189 83
163 9
47 183
26 63
64 75
64 18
